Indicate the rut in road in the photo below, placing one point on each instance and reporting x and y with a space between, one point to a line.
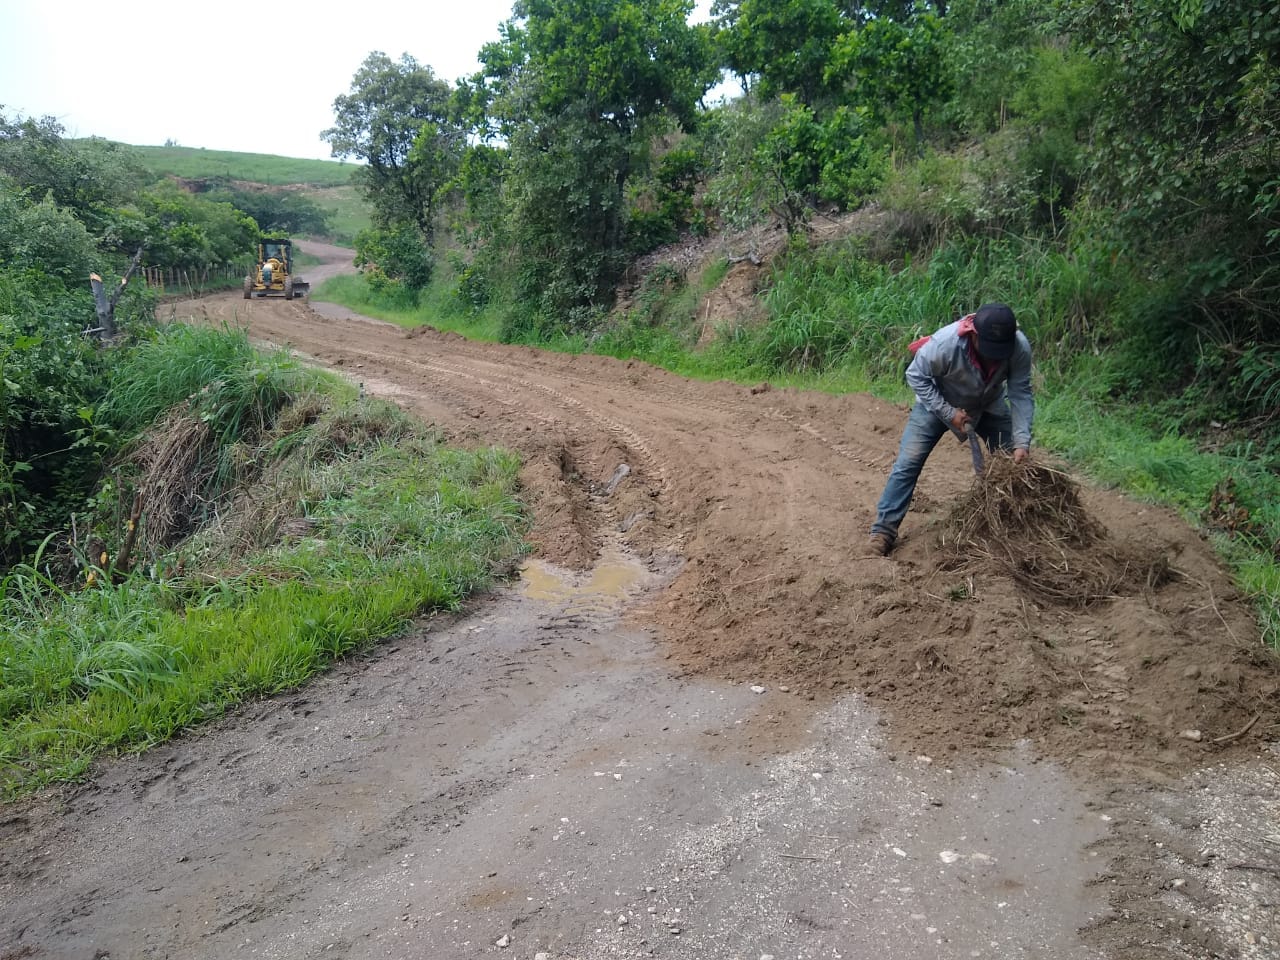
763 497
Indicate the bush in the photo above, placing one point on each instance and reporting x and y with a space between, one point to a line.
397 253
50 380
663 207
45 238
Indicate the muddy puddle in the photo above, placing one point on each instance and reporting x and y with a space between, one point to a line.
606 586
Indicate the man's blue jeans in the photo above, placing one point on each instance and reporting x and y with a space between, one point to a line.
922 433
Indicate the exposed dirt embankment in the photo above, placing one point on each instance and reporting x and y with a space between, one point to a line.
764 498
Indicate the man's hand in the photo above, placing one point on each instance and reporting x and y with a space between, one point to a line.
959 420
1021 454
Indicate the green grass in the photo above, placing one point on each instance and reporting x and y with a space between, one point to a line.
432 308
395 524
197 163
346 212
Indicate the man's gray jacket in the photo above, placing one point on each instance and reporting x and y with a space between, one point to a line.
945 378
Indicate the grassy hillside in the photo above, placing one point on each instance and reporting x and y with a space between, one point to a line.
326 183
196 163
345 209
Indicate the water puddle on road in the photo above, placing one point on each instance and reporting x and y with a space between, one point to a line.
605 586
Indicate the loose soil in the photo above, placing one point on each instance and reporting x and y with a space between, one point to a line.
765 498
746 508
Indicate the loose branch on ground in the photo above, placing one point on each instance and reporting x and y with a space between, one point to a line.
1239 733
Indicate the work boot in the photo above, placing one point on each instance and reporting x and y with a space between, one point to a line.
879 545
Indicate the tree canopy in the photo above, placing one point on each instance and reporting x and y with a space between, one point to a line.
398 119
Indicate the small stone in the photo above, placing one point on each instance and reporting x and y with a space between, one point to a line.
542 955
756 688
622 919
1191 672
948 856
650 889
503 941
674 931
1193 735
1179 883
785 689
899 852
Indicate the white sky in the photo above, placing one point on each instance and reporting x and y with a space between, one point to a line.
221 76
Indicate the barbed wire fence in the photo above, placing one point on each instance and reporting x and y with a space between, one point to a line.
194 281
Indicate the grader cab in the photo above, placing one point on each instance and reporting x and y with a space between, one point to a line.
272 275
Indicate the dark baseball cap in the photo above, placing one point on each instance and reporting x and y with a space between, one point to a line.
997 331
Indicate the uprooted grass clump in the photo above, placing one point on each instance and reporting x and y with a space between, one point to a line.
1029 522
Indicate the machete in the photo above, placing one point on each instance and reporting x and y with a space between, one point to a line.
975 449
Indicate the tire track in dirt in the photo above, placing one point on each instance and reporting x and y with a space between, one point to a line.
629 438
527 764
678 392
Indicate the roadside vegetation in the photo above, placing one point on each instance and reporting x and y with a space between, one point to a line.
1108 170
186 522
258 523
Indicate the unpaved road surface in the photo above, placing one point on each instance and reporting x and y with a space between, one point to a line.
699 724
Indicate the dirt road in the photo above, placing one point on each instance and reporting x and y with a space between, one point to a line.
699 725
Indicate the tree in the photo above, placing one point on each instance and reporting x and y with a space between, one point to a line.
991 49
894 68
785 46
784 43
1187 142
620 61
43 238
398 119
182 230
87 177
577 87
275 211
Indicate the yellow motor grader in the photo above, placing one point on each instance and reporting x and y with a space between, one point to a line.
272 275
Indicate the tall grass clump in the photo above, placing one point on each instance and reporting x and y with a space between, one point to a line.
360 520
190 404
833 307
214 370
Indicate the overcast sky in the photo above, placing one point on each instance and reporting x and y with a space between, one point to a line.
220 75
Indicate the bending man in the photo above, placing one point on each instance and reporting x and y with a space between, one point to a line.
976 370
